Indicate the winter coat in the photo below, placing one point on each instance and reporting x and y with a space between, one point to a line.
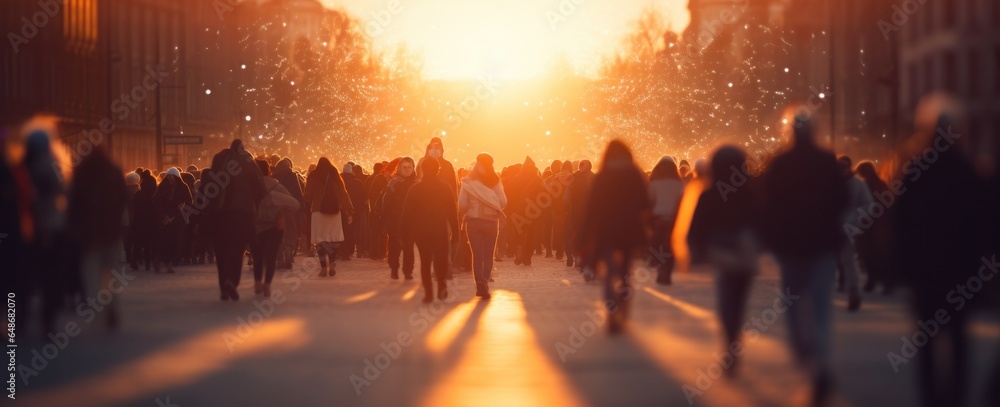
393 199
429 212
478 201
617 203
805 198
324 192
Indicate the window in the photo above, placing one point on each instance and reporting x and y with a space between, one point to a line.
80 25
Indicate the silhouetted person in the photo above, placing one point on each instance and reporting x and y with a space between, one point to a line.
328 203
805 198
229 216
576 205
665 191
392 209
724 232
361 217
146 224
276 206
858 199
169 199
526 188
429 218
876 245
379 238
613 228
937 224
287 178
97 217
359 199
481 203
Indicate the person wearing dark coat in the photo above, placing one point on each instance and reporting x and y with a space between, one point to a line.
277 206
97 217
378 245
805 197
525 192
614 227
938 222
576 203
290 181
875 246
229 214
359 198
170 197
429 219
392 210
724 230
361 217
131 248
186 250
145 227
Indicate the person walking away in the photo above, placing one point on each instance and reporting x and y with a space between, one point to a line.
876 245
328 203
665 191
804 201
428 219
97 217
613 228
524 212
290 241
858 201
232 190
576 204
272 212
392 210
724 231
359 199
481 203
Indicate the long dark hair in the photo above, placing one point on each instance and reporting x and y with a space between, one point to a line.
866 170
490 178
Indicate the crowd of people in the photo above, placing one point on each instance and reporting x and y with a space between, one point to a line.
826 221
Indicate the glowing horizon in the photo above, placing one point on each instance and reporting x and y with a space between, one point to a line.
506 40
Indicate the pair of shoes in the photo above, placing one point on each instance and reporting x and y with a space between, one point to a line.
258 287
569 261
854 302
394 275
228 292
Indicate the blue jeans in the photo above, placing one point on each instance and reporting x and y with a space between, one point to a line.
483 238
809 316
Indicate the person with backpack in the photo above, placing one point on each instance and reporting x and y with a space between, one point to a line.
272 212
328 203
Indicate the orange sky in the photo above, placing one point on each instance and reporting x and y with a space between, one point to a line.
505 39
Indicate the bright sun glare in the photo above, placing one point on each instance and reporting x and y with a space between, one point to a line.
503 39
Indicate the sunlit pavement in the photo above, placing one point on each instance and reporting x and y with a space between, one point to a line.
361 339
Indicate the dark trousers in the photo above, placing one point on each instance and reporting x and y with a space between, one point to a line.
229 258
661 245
170 243
351 235
264 250
733 288
526 243
397 245
433 252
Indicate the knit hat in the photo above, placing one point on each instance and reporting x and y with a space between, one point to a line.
132 179
174 171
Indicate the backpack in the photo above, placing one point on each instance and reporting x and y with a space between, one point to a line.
328 206
268 209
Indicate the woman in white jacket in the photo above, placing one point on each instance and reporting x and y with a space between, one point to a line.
481 203
665 191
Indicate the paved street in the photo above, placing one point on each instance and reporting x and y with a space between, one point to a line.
361 339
